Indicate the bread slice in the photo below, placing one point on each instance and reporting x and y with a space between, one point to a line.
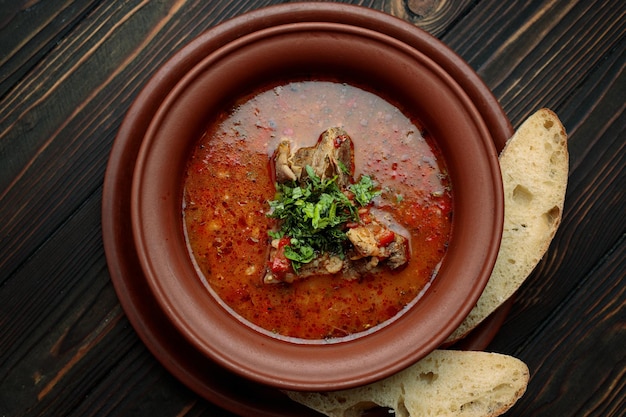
535 166
445 383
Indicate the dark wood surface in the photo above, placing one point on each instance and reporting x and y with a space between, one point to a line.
69 70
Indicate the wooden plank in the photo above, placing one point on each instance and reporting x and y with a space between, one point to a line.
64 298
435 17
66 346
594 381
80 354
30 29
510 57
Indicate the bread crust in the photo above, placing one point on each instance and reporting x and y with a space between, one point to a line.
445 383
535 166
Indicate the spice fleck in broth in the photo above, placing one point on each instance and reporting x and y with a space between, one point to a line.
230 182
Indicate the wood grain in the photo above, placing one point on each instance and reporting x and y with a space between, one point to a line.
511 57
29 30
434 16
596 374
69 70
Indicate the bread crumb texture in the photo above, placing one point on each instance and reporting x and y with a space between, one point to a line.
445 383
535 166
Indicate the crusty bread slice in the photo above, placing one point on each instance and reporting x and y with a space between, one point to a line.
445 383
535 166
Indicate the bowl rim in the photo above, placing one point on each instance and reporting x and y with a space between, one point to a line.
119 250
170 299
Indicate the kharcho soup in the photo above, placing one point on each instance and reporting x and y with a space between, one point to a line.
316 209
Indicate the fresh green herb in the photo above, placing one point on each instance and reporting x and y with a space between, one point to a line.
343 167
299 253
364 190
313 215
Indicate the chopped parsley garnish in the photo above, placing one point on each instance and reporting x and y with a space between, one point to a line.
313 215
364 190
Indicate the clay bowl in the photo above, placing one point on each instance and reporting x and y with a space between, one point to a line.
299 47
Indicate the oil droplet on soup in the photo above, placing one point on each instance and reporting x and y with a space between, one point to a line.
229 184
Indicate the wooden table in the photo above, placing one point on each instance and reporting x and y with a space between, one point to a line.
69 71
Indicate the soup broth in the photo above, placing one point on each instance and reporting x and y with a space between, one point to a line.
229 183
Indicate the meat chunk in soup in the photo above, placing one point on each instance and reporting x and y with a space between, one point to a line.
283 169
332 156
370 246
325 264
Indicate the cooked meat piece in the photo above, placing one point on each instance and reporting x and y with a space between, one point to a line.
322 265
284 172
373 245
376 241
362 267
398 252
364 241
301 159
368 255
331 156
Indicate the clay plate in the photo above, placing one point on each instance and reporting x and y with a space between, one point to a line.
173 351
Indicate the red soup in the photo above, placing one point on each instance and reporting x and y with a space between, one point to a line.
231 180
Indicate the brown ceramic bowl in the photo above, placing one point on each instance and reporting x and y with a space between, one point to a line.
354 54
